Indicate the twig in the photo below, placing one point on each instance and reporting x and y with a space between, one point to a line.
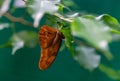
62 18
19 19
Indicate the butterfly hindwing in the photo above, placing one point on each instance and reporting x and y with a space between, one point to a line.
50 40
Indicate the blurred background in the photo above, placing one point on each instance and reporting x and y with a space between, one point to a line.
23 66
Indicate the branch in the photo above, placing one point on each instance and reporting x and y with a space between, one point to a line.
19 19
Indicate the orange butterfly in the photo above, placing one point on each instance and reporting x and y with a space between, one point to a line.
50 40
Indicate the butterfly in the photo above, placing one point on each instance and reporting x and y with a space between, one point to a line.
50 40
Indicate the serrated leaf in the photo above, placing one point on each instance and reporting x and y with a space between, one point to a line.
110 72
38 7
4 6
30 38
68 39
17 43
87 57
94 32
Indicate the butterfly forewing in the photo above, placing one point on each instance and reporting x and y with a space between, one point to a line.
46 36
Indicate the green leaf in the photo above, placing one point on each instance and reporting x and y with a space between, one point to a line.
87 57
30 38
68 39
115 31
61 7
94 32
38 7
110 72
110 21
21 39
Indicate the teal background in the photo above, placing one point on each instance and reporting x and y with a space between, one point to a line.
23 66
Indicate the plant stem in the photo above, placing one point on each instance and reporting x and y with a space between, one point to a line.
19 19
